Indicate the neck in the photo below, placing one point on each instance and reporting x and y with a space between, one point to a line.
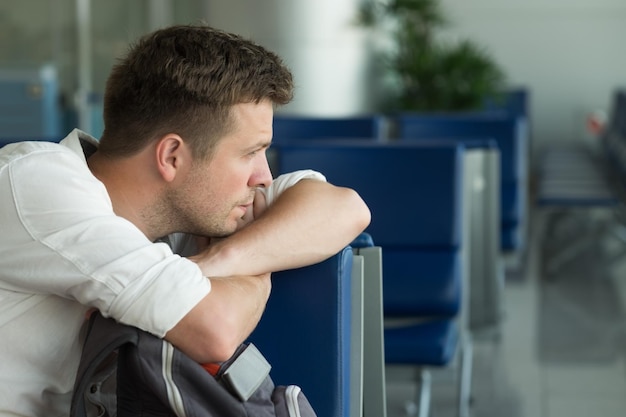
130 190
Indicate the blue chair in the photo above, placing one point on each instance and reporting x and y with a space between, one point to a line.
515 101
482 203
29 103
613 139
290 127
305 332
511 135
575 179
374 398
287 128
414 191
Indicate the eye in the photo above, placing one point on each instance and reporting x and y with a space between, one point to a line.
257 151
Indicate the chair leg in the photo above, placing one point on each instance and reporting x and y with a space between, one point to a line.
420 407
425 381
465 376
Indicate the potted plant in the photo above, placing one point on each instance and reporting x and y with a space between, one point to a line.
429 74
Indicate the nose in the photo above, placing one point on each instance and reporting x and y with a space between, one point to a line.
262 176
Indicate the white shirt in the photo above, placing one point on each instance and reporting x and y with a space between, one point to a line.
284 181
63 250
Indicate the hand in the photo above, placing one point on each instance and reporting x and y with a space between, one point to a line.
258 207
260 203
203 243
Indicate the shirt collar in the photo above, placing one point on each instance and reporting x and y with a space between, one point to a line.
81 143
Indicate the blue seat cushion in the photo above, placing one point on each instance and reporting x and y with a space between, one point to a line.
431 342
421 282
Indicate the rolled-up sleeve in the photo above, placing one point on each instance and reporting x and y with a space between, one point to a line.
284 181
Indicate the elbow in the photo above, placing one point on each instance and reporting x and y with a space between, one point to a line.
361 215
366 216
210 341
210 347
224 319
217 349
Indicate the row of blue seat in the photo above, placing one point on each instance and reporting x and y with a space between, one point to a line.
580 174
581 191
509 131
415 193
505 132
415 189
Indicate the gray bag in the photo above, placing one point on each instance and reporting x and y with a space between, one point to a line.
126 372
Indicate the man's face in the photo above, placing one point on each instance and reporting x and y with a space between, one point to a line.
215 194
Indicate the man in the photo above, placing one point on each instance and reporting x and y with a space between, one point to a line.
87 225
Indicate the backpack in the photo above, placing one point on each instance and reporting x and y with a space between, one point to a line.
126 372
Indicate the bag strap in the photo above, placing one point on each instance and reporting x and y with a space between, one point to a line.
102 339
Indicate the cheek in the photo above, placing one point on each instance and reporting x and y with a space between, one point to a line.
217 192
235 180
226 183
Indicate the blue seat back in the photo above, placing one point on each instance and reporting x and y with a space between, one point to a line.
308 127
305 332
412 189
620 113
414 192
511 135
515 102
509 132
614 135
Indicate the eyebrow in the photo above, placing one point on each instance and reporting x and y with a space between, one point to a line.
260 145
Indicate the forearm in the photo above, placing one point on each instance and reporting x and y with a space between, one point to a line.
308 223
224 319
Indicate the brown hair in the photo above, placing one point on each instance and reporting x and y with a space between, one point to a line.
184 80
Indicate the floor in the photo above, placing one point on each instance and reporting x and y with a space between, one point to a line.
560 350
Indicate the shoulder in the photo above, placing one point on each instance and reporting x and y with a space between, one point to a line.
56 176
43 161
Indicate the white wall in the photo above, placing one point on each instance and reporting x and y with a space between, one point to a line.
317 39
570 53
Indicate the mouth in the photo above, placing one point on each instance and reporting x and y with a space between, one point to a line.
245 207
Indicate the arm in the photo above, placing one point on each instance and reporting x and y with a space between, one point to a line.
309 222
224 318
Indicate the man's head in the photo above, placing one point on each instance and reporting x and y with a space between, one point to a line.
188 118
185 80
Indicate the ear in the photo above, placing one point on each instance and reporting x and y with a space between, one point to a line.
171 154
